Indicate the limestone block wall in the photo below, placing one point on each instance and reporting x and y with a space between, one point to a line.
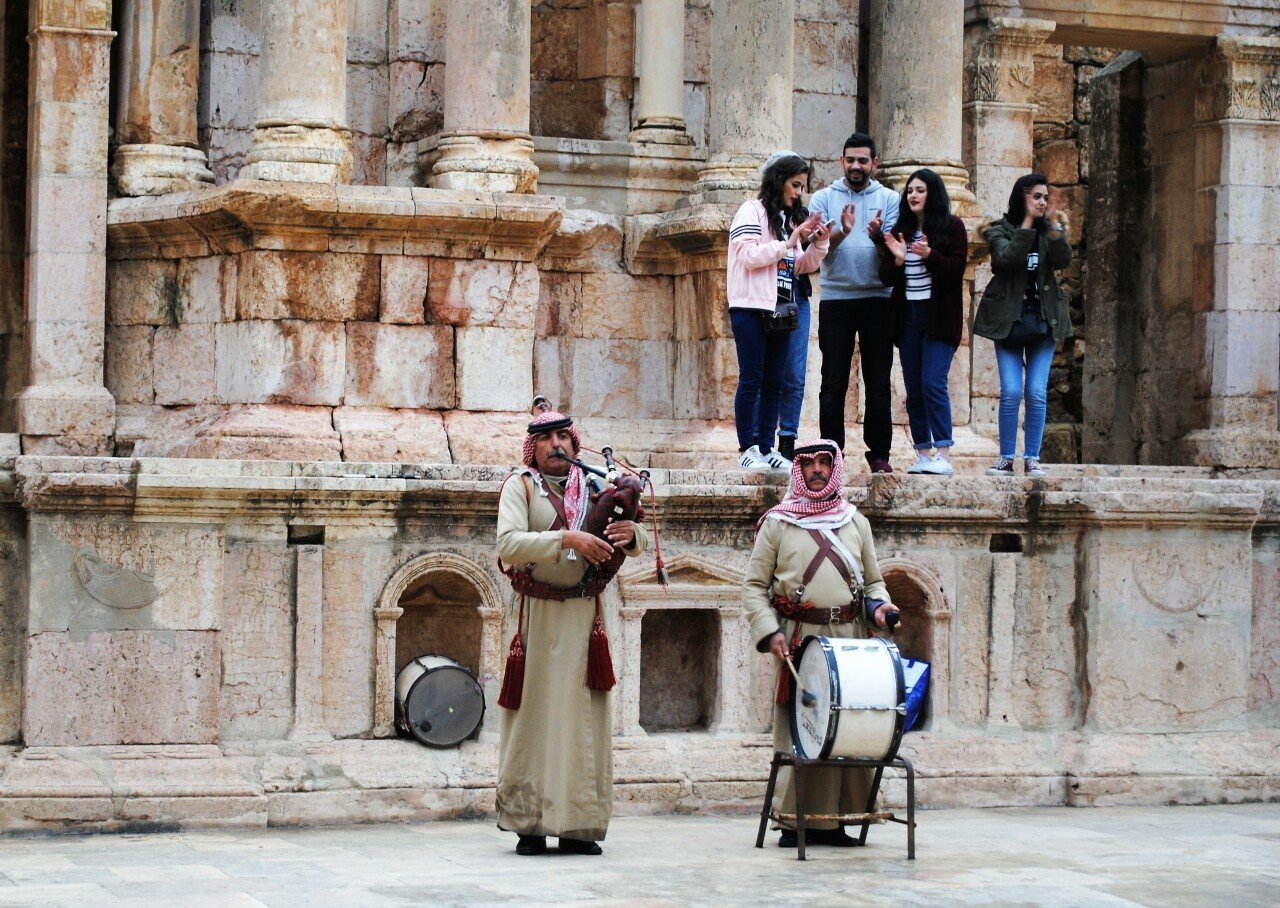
13 180
1096 639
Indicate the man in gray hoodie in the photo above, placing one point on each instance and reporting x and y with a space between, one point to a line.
855 305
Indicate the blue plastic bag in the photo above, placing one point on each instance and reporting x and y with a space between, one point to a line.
915 674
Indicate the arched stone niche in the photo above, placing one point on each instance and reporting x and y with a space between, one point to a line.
684 658
439 603
926 627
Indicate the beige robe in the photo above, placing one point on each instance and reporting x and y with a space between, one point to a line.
555 763
782 553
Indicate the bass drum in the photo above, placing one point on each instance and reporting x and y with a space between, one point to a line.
438 701
858 706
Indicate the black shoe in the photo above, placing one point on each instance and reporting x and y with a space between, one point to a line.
579 846
531 844
837 837
788 839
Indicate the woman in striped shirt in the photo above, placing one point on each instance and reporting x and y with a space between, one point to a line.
923 260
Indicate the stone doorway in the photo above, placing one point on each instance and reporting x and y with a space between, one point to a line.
926 629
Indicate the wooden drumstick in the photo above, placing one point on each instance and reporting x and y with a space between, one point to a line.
806 697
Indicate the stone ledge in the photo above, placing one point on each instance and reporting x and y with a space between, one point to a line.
255 214
679 242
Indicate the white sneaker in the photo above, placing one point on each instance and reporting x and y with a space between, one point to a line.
776 461
938 466
751 459
922 461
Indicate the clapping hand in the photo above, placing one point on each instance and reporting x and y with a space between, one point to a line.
848 218
875 227
897 246
1051 214
921 247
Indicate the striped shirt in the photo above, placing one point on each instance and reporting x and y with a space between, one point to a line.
919 283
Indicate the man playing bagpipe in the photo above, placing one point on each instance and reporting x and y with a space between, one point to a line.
555 772
813 571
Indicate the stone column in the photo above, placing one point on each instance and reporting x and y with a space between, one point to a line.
1236 327
301 133
999 106
626 664
486 144
64 407
751 75
917 64
156 86
384 670
660 73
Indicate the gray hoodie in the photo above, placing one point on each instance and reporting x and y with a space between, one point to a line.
853 269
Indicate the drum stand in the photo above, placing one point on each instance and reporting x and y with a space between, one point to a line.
869 816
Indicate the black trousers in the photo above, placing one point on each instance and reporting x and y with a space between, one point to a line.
841 323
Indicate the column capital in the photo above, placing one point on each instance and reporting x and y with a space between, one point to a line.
1001 68
1240 80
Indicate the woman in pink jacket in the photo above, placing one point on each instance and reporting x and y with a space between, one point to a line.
768 307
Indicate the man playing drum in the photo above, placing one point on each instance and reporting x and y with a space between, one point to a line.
555 764
813 571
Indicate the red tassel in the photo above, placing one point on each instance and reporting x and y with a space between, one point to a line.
599 663
513 678
784 688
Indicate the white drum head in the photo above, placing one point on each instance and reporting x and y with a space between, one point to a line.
438 701
811 725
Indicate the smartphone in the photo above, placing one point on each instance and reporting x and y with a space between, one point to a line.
829 224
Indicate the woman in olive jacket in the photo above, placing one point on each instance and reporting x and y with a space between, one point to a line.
1025 312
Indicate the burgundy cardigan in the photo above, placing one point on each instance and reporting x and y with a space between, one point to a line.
946 271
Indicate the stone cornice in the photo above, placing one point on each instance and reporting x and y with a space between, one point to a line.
693 505
249 214
679 242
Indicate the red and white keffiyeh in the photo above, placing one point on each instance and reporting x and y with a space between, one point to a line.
575 487
823 509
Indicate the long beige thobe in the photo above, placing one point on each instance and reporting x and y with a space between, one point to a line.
555 763
778 562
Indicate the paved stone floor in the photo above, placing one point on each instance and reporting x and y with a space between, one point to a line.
1167 857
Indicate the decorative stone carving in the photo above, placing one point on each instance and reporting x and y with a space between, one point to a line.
1240 80
116 586
1001 68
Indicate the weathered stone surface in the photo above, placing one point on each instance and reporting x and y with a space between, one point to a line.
185 360
348 638
377 434
305 285
494 368
1055 89
599 377
292 361
122 687
255 695
1059 161
482 293
143 292
206 290
404 289
263 432
399 365
129 363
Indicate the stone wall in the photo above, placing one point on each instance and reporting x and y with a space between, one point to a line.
1062 122
236 626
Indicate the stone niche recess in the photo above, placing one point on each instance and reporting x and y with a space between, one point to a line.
679 669
437 604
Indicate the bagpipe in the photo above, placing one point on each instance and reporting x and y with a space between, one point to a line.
616 493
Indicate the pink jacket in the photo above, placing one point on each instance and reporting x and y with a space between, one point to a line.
754 256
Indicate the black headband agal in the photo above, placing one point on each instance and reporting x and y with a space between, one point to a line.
810 450
553 425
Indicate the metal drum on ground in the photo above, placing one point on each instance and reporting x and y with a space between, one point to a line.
438 701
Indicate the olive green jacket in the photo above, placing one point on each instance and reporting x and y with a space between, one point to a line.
1001 303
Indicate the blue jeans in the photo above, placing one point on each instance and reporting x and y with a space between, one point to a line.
1036 358
761 360
792 390
925 364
